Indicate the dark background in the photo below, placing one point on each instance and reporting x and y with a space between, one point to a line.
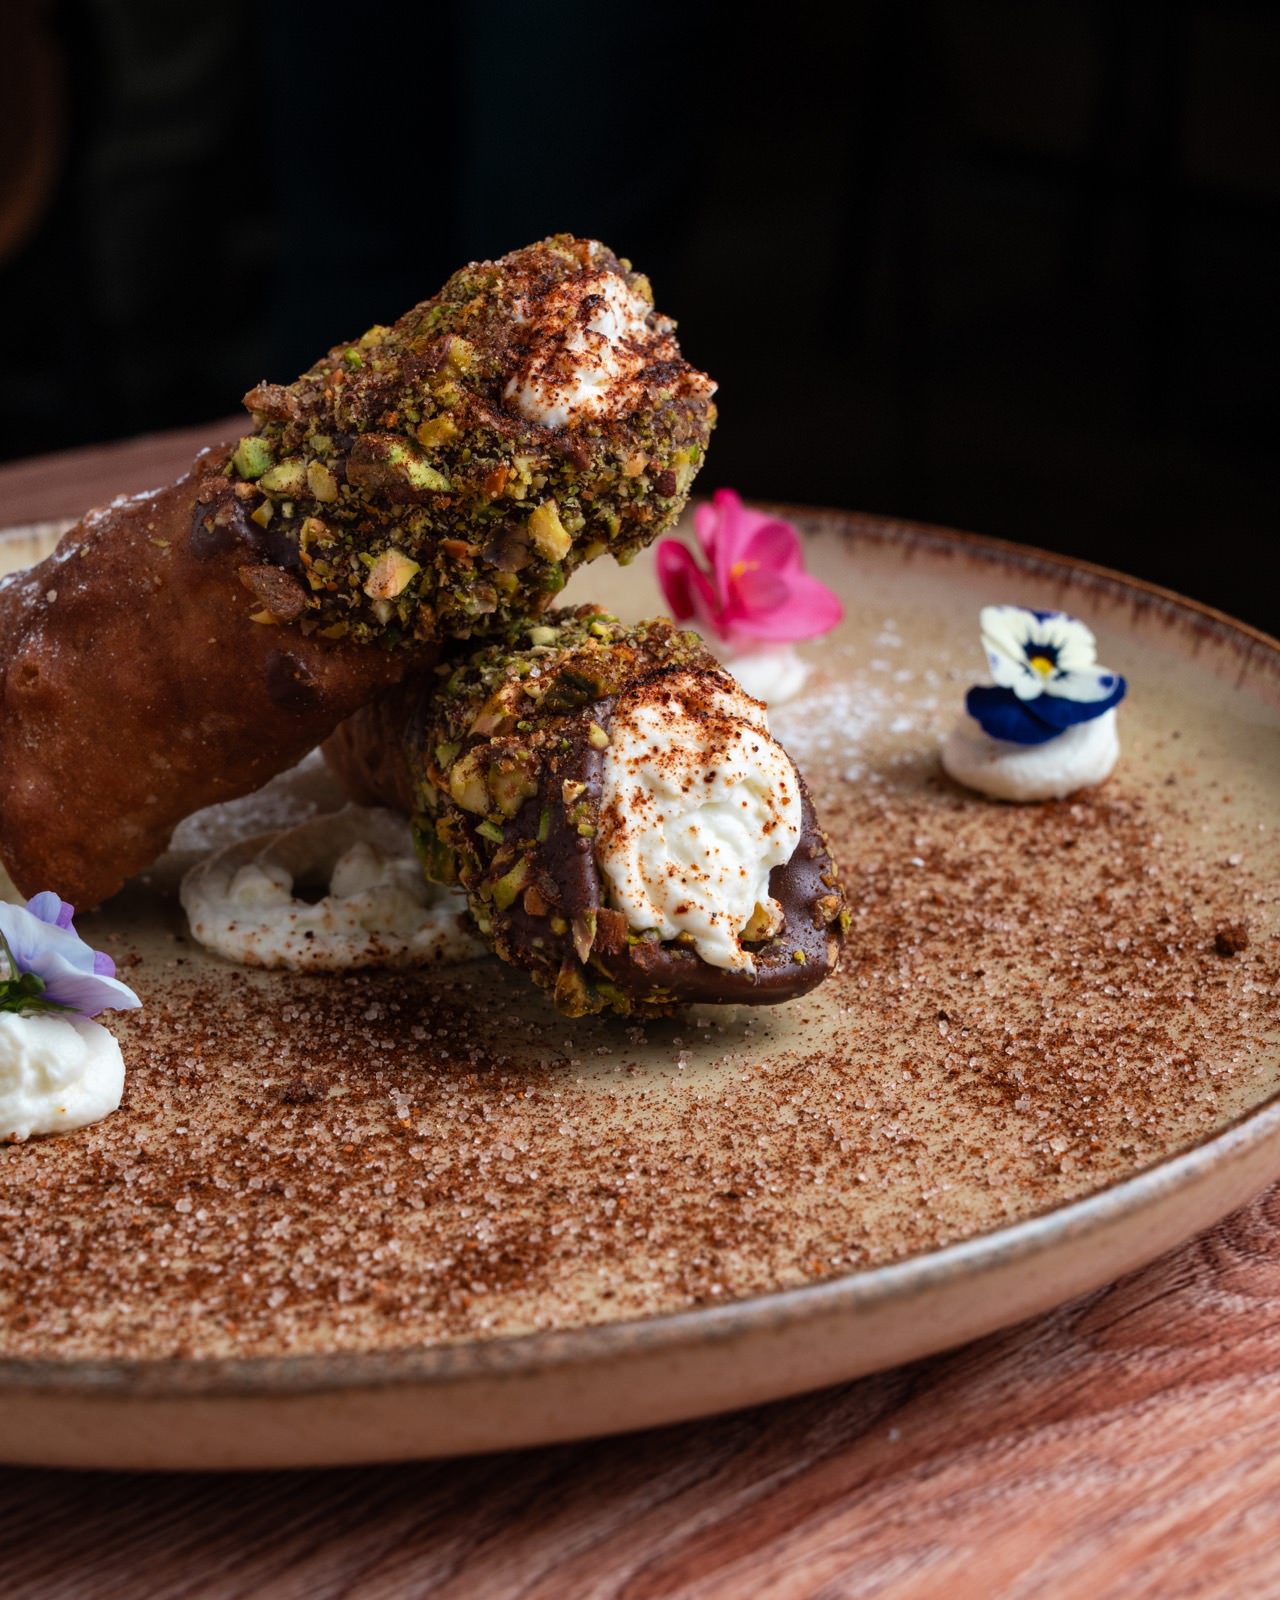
1005 264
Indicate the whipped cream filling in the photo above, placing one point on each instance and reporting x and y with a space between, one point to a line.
592 340
1076 759
698 805
377 909
56 1073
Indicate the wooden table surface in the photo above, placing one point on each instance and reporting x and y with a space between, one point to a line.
1124 1445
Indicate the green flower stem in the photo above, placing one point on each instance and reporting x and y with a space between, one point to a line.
20 991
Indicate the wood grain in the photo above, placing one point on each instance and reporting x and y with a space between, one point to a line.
1122 1446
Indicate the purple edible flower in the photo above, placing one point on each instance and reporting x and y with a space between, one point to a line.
46 966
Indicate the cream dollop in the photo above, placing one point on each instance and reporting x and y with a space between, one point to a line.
592 339
774 673
56 1073
1076 759
698 805
377 908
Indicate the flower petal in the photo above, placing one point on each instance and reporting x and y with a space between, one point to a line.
739 522
729 544
774 545
85 992
1005 629
51 908
1015 631
676 571
809 609
82 992
1063 712
14 927
706 520
687 589
1003 716
1077 648
1088 685
758 590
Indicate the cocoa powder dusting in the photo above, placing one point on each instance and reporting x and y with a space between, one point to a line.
1231 938
1030 1006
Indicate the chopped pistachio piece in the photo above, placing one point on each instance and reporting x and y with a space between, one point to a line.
548 532
511 787
289 477
422 475
759 926
436 431
390 574
511 883
461 354
321 481
253 456
467 787
584 933
438 862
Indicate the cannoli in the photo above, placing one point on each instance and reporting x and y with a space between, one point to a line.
610 799
431 479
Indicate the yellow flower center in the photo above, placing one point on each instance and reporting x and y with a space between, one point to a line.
1041 664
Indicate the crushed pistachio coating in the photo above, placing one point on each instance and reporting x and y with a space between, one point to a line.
408 494
505 755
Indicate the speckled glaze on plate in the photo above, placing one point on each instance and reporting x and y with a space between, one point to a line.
388 1217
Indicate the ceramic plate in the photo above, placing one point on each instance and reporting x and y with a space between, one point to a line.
385 1216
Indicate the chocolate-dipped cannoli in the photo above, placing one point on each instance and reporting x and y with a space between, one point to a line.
430 479
624 826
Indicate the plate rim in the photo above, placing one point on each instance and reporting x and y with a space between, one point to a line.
519 1355
899 529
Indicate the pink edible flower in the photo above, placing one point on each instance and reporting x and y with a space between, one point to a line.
757 589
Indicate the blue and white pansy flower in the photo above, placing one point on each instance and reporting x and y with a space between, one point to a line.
1046 676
